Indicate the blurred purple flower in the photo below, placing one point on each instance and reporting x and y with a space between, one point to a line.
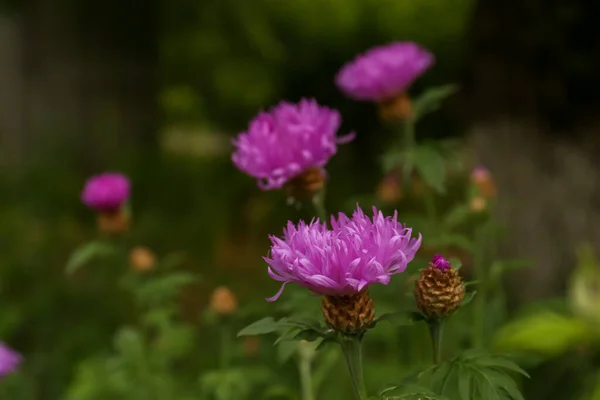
341 261
9 360
106 192
439 262
286 141
480 173
384 72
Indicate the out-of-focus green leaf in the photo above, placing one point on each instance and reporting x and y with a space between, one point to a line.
410 391
260 327
431 100
468 297
545 333
163 288
87 253
457 216
430 165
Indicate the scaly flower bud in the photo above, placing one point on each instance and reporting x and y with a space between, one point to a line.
398 108
348 314
439 290
113 222
307 184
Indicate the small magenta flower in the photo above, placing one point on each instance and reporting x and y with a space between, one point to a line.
9 360
288 142
106 192
482 179
384 72
340 263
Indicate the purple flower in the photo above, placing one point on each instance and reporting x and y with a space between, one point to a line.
439 262
9 360
345 259
480 173
287 140
383 72
106 192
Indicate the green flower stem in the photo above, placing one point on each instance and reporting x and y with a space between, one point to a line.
319 204
436 330
226 344
480 276
352 349
409 144
305 357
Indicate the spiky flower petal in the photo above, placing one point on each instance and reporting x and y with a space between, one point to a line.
286 141
344 260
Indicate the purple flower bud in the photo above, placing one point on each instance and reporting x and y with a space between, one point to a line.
439 262
384 72
106 192
9 360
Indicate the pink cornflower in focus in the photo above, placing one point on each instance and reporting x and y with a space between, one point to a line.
288 141
384 72
344 260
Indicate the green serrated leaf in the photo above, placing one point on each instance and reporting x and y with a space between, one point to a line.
260 327
465 379
430 165
409 391
87 253
468 297
431 100
501 363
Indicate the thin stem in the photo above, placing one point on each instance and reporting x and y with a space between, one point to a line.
436 330
305 356
480 276
226 345
319 204
409 144
352 349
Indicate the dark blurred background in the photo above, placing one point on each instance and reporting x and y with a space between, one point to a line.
157 89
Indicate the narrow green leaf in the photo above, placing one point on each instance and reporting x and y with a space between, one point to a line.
87 253
260 327
432 99
501 363
464 383
468 297
302 323
309 335
430 165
